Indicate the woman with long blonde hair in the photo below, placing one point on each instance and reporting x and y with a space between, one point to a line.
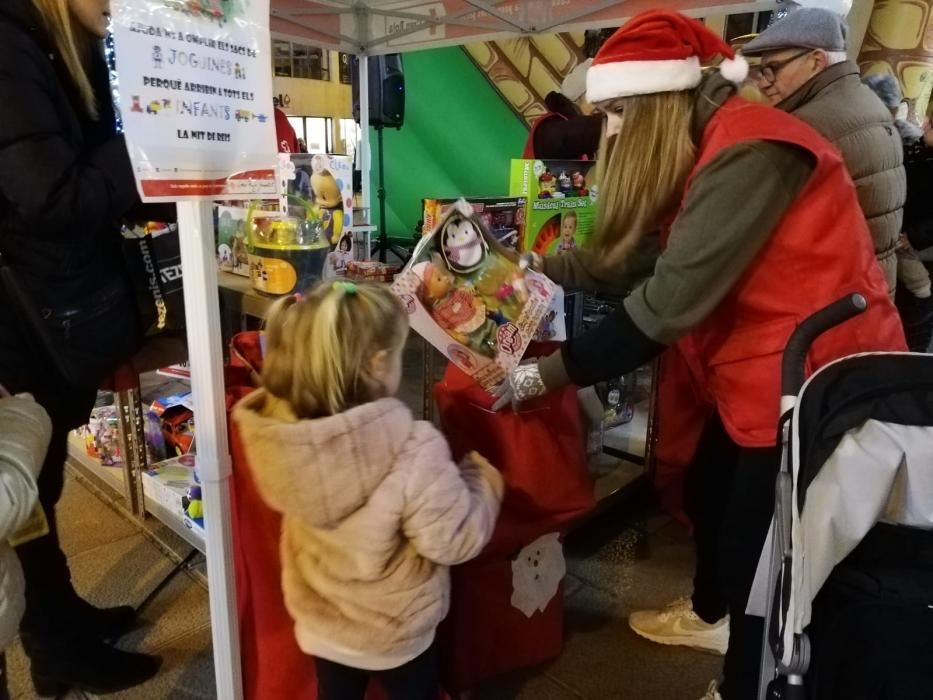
733 214
68 310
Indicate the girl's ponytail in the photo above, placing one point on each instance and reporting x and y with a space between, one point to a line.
319 348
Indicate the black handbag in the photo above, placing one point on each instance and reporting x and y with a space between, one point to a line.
153 260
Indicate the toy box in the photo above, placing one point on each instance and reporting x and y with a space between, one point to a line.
174 485
327 183
102 436
232 254
504 217
176 417
371 271
466 297
561 203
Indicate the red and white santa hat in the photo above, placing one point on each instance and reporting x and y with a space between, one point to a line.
658 51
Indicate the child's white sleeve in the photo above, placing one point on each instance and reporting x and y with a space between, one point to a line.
25 430
450 510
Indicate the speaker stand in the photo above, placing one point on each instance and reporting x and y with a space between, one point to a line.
382 243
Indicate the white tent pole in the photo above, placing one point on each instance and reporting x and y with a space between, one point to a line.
202 316
365 160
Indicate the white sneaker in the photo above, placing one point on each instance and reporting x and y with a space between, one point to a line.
677 625
712 693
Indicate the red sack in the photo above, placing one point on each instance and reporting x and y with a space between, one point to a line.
542 456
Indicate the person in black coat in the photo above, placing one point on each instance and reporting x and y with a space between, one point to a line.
68 310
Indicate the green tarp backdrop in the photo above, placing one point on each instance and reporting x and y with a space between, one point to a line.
458 139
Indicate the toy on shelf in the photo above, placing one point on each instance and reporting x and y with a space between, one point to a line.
561 211
371 271
326 181
286 253
102 436
467 297
192 504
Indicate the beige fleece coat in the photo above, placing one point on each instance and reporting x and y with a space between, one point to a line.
374 513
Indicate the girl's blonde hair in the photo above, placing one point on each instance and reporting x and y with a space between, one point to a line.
319 348
74 45
643 170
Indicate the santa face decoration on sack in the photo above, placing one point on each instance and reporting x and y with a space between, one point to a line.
537 573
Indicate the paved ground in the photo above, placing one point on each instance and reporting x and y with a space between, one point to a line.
113 563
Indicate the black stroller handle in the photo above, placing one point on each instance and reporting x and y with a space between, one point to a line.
795 354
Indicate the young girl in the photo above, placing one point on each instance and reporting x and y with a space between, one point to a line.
374 509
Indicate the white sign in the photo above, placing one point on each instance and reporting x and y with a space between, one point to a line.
196 97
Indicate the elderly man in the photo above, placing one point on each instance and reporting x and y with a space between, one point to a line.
804 70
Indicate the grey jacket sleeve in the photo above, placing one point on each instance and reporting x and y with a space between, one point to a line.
711 244
584 269
731 209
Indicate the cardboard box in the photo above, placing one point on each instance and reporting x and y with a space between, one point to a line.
504 217
561 203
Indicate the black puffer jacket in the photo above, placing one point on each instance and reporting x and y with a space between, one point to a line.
65 179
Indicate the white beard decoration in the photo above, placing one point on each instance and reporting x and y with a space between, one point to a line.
537 573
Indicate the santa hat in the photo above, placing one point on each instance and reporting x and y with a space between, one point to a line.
658 51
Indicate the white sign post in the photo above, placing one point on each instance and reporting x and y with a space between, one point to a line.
195 90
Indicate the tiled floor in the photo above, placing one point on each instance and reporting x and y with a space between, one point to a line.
113 563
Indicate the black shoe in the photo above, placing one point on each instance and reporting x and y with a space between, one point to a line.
92 667
103 623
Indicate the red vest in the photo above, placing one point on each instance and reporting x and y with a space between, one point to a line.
820 251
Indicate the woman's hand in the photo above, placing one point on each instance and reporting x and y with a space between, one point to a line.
531 261
523 383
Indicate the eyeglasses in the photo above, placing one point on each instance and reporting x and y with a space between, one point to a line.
768 71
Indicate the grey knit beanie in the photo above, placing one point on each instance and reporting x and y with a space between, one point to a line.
806 28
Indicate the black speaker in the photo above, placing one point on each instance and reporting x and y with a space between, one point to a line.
386 90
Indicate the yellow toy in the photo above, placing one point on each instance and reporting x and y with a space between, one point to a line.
329 201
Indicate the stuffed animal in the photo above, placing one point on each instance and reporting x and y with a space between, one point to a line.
462 244
329 200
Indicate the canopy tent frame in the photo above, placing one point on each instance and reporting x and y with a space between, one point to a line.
343 26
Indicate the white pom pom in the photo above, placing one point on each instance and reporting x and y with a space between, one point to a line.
734 69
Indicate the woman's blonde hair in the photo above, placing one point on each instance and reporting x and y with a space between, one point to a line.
73 43
319 348
642 170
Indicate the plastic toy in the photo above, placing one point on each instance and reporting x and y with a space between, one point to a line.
564 183
547 185
329 199
193 505
578 181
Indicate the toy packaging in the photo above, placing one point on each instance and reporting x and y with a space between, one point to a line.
232 255
176 416
371 271
561 203
504 217
286 253
466 297
175 486
102 436
327 183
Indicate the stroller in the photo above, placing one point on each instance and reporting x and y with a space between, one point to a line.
845 581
